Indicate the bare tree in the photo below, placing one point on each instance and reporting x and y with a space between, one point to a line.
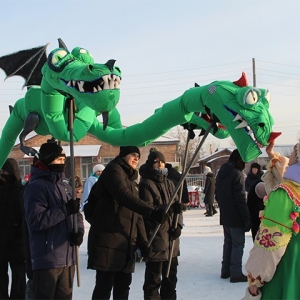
181 134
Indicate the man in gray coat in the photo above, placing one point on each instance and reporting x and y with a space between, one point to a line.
234 216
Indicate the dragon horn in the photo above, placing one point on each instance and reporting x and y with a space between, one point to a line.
110 63
242 81
61 44
273 136
105 119
196 84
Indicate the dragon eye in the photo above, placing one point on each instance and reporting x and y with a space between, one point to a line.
58 59
58 56
252 96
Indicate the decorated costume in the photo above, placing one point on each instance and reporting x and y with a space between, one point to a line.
235 108
274 261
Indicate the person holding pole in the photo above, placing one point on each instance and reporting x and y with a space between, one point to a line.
115 212
156 189
49 214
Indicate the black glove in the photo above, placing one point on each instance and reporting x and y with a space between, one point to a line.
247 225
73 206
190 128
145 250
175 233
76 238
159 215
176 208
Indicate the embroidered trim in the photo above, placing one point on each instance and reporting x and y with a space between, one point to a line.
255 281
276 222
270 238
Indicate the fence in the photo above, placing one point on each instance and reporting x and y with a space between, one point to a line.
195 180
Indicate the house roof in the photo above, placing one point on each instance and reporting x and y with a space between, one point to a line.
79 150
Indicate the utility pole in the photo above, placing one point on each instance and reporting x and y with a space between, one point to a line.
254 72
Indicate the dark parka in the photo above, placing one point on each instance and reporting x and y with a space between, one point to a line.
117 226
11 229
209 189
48 222
230 195
156 190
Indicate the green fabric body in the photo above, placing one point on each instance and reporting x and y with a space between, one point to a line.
285 283
65 74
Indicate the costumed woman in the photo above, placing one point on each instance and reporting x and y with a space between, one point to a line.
274 263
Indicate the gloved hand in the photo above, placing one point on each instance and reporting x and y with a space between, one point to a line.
175 233
247 225
73 206
76 238
159 215
190 128
176 208
145 250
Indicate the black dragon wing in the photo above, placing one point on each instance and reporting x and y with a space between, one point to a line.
26 63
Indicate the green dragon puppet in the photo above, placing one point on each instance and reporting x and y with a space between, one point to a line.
235 108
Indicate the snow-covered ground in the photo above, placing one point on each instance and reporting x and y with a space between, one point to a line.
199 264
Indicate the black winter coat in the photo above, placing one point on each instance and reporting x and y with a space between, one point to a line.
252 179
175 176
230 195
209 189
156 190
116 226
11 230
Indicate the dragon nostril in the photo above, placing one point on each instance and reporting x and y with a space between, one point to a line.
261 124
91 67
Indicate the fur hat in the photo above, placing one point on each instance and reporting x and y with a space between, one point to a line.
98 167
49 152
255 165
125 150
155 156
11 166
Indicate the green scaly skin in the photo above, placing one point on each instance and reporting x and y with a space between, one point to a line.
95 88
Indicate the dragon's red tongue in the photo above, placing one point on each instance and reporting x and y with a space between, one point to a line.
273 136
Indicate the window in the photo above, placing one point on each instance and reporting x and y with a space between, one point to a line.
24 166
106 160
86 167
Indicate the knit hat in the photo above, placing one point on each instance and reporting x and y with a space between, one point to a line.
154 157
153 149
125 150
49 152
97 168
11 166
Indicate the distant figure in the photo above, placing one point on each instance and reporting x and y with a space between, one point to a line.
209 192
234 216
94 176
12 252
256 204
253 176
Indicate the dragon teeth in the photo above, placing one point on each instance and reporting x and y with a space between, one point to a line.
242 125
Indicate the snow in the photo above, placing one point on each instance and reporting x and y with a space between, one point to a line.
199 263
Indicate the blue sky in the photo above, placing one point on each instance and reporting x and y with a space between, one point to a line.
164 47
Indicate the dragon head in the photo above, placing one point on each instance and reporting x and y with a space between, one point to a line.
244 112
76 74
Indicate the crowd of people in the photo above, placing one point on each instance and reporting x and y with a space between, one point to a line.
39 239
